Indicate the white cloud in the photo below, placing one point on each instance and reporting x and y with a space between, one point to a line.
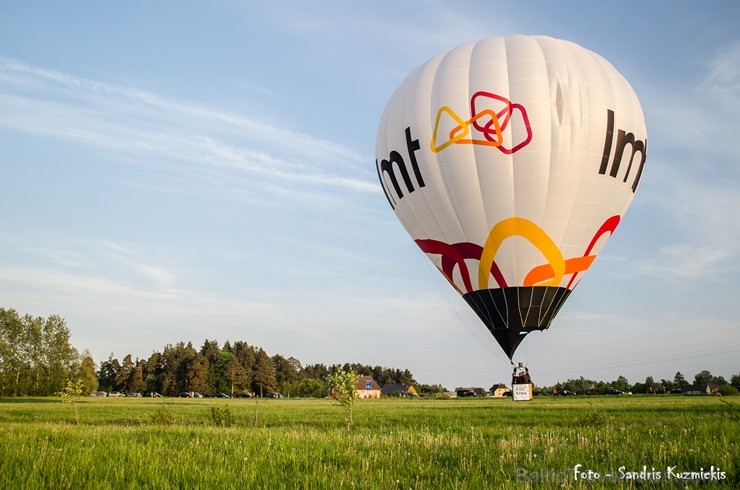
161 131
724 71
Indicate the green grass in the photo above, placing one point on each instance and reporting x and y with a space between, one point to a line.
397 444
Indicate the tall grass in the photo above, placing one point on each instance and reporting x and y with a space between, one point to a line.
483 443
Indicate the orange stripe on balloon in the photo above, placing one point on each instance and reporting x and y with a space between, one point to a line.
544 272
607 226
526 229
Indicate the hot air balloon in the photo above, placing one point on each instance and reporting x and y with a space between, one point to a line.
510 162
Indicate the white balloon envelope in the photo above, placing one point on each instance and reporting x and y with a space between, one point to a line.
510 162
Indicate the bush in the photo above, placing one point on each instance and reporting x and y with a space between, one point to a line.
595 419
163 416
222 417
728 390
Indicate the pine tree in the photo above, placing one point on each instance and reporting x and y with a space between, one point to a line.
264 373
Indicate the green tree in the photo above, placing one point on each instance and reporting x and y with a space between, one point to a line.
136 382
343 388
108 374
679 380
230 374
285 372
246 355
210 351
703 378
154 371
177 360
264 373
60 358
198 375
621 384
13 353
88 376
311 388
36 356
124 374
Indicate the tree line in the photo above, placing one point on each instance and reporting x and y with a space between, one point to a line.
235 369
36 358
584 386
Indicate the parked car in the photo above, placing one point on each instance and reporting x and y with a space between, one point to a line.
614 391
116 393
466 393
221 394
190 394
566 393
274 394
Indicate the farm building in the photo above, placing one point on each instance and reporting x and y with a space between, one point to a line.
499 391
367 387
399 390
700 389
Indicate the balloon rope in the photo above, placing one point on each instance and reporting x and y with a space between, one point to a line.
435 274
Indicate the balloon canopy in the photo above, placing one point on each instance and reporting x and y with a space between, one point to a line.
510 162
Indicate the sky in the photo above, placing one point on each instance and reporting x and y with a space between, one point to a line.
182 171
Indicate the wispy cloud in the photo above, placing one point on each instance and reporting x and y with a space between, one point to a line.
149 128
724 71
694 181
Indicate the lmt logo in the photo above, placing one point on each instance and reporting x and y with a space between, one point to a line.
386 167
623 139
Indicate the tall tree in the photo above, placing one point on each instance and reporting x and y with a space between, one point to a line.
231 375
88 376
285 372
108 373
245 354
264 373
136 382
124 373
210 351
198 374
61 357
154 371
178 359
13 358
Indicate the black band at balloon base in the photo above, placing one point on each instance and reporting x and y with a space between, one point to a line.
511 313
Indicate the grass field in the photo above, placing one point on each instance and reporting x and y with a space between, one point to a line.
629 441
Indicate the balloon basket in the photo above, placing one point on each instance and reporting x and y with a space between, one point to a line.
521 392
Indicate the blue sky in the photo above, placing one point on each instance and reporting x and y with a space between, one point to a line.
190 170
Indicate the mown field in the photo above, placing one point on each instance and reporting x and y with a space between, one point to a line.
629 441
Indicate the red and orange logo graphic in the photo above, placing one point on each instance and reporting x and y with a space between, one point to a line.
491 118
549 274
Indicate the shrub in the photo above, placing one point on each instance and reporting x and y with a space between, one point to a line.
222 417
728 390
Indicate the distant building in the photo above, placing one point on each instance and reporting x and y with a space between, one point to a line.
700 389
367 387
399 390
499 391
